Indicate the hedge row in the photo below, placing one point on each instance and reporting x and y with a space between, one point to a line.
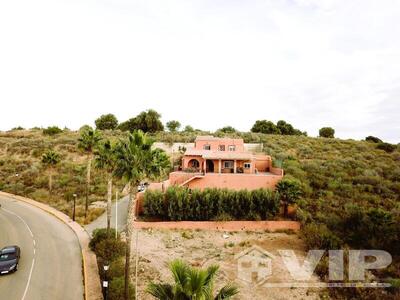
182 204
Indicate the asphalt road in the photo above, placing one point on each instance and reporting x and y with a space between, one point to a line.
101 222
50 265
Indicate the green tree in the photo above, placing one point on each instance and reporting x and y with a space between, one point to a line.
173 125
264 126
289 192
373 139
108 121
135 162
146 121
191 284
105 160
87 142
227 129
327 132
188 128
50 159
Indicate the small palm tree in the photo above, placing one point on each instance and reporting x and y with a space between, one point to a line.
289 191
191 284
87 142
104 158
135 161
50 159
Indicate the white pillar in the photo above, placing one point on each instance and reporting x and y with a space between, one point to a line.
219 166
205 166
234 166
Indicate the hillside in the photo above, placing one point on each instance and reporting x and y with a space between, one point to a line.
351 189
22 173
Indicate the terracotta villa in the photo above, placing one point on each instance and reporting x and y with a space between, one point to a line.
223 163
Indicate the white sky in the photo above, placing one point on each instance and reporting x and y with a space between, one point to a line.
210 63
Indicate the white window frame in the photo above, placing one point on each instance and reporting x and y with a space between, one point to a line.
231 148
207 147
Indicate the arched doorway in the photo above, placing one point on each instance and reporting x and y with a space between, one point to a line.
194 164
210 166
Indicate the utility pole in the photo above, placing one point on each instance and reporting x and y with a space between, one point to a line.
116 214
73 211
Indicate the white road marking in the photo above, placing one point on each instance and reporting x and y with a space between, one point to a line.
29 280
34 250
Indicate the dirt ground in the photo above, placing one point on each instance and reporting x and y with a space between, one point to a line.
203 248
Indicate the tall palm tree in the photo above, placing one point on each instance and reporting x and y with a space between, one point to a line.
87 141
191 284
104 158
135 161
50 159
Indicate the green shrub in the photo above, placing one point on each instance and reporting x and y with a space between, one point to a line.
389 148
180 203
117 268
110 249
318 236
108 121
52 130
100 235
116 289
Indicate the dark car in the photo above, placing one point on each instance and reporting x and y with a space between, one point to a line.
9 259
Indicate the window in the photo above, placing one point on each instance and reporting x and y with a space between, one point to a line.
232 148
247 165
228 164
221 147
207 147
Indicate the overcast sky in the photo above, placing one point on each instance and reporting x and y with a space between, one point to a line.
313 63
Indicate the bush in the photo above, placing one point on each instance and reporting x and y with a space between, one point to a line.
116 289
327 132
52 130
100 235
389 148
318 236
106 122
373 139
117 268
110 249
179 203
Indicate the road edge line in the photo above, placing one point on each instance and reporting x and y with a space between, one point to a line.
83 240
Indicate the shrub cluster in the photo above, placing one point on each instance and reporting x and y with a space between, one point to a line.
179 203
52 130
111 250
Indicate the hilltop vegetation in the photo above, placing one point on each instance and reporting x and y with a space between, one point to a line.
23 172
351 189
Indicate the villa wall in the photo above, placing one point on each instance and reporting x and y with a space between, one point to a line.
214 143
235 181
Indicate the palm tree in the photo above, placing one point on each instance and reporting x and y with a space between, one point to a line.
87 141
191 284
135 161
50 159
289 191
105 160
